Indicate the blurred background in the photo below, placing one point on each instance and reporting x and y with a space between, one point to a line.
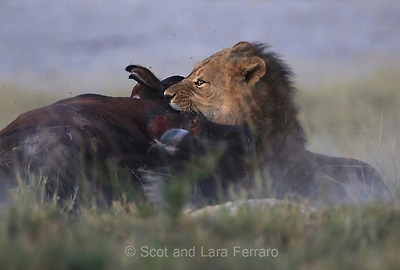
346 55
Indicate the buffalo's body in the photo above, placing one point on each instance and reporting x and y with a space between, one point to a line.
87 142
81 137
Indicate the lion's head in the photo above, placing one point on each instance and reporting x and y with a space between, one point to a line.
244 85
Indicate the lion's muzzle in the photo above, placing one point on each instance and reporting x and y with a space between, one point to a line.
171 94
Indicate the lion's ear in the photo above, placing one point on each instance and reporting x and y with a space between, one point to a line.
252 69
241 45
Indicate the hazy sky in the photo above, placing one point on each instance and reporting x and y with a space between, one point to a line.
87 44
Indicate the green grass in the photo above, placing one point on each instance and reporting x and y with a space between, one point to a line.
15 100
353 119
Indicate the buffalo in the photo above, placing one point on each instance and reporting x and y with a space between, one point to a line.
80 143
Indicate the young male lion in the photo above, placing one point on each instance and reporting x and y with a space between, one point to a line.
250 86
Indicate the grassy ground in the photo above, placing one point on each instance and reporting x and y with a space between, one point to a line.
354 119
37 236
358 119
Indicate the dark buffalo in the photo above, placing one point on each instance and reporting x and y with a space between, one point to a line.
73 143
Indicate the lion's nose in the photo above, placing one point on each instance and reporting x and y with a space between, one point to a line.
169 94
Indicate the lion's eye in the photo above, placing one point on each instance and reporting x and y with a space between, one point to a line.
199 82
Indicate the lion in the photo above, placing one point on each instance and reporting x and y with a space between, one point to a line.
248 85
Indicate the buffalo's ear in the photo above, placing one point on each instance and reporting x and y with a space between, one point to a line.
136 90
143 76
252 69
